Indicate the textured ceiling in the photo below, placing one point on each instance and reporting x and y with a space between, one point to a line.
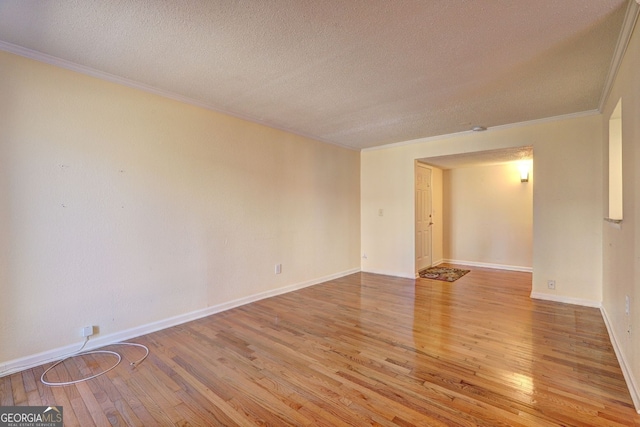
481 158
358 73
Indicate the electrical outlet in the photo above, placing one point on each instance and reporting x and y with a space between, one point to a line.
551 284
87 331
278 268
626 305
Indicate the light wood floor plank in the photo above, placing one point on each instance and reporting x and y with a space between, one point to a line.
6 391
19 392
363 349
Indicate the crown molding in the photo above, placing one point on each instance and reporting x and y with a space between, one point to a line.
628 24
92 72
489 129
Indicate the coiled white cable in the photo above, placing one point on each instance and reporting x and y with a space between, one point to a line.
64 383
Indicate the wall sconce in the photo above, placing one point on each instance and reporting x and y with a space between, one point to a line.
524 172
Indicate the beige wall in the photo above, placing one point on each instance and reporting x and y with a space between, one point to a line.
488 216
119 208
622 242
567 200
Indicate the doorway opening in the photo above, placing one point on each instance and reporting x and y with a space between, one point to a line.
481 212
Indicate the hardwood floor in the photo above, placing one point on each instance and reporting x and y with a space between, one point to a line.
361 350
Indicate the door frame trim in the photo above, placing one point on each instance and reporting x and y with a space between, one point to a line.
418 164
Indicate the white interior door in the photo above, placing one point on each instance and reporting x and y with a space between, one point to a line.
423 217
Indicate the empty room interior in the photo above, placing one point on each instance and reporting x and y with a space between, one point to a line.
244 212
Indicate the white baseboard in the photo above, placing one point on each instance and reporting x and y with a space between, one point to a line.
488 265
390 273
31 361
632 385
566 300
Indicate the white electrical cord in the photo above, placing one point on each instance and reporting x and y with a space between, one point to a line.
23 367
59 384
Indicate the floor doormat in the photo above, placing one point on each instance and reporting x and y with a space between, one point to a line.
443 273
